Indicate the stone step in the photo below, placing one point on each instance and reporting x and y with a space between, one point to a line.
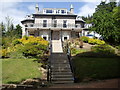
62 79
59 63
63 82
65 68
61 70
61 73
57 60
58 66
61 76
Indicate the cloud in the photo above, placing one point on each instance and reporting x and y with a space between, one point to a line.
10 9
88 8
16 10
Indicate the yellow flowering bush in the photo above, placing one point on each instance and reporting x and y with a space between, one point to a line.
92 41
26 47
4 53
100 42
31 46
32 39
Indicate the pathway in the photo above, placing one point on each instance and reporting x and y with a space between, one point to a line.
57 46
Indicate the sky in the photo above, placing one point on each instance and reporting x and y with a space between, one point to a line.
18 9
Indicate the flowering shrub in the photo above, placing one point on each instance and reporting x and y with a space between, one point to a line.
15 42
92 41
84 39
4 53
100 42
32 39
26 46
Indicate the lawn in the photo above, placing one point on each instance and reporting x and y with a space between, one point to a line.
17 70
92 68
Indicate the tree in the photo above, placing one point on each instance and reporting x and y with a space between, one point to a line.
2 28
18 31
9 23
104 22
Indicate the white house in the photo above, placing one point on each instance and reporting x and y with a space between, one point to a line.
53 24
91 34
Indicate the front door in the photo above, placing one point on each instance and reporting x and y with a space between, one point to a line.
55 35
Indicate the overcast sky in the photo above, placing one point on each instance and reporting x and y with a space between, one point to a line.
18 10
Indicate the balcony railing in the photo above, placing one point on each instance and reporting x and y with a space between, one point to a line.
59 25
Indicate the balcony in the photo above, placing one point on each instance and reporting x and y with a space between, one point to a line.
54 26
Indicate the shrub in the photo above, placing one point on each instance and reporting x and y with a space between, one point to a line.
118 47
26 47
92 41
4 53
100 42
15 42
84 39
104 49
73 50
31 50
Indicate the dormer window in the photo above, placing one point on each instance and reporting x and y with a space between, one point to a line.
63 11
48 11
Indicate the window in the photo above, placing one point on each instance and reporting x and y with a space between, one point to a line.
63 11
26 25
55 23
58 11
48 11
31 25
45 37
65 24
44 23
65 38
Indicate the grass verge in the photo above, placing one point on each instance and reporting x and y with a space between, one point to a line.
17 70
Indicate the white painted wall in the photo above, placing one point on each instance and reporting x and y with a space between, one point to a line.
23 30
44 33
66 34
70 20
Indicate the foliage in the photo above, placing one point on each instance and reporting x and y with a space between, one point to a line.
105 22
84 38
28 47
92 41
17 70
77 51
118 47
16 41
87 19
99 42
88 68
104 49
4 53
95 41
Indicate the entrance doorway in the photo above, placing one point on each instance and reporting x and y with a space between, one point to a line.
55 35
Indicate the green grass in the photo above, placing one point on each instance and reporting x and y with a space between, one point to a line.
17 70
96 68
77 51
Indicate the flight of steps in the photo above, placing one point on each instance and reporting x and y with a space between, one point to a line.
60 69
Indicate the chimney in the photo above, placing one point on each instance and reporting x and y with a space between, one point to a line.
36 8
71 9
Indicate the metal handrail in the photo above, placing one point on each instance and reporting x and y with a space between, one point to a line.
49 64
69 58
